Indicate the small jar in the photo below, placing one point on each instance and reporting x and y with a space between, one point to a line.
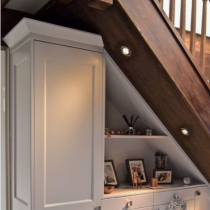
149 132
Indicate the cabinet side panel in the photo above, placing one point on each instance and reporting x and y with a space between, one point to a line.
21 127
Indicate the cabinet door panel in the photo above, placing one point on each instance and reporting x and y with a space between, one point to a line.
68 127
121 203
202 201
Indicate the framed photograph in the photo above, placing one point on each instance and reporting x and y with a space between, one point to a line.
163 176
136 170
110 176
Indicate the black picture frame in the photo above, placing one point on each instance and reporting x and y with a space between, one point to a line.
164 176
139 163
110 175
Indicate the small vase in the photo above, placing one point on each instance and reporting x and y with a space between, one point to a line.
131 131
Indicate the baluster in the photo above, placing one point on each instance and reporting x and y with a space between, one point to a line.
193 27
183 19
172 11
161 3
203 36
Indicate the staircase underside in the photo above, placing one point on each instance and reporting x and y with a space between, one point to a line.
159 68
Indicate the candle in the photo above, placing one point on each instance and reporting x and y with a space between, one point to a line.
154 182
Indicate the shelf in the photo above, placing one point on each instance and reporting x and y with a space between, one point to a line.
135 137
126 190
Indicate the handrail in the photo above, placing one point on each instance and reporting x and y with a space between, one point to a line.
182 31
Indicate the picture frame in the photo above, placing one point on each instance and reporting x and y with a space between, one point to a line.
110 175
138 165
164 176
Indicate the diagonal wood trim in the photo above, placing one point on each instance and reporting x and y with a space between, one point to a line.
100 4
4 3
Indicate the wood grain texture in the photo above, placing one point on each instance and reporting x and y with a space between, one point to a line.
166 78
203 36
193 27
100 4
183 19
4 3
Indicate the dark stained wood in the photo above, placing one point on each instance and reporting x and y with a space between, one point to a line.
203 36
171 56
60 5
193 27
182 43
177 105
100 4
183 19
172 11
9 18
4 3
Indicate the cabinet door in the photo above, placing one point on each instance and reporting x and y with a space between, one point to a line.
68 127
202 198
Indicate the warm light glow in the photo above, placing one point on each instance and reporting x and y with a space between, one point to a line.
125 51
185 131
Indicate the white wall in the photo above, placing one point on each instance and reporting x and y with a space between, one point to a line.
2 133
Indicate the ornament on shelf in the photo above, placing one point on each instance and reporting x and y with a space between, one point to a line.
177 204
130 124
148 132
160 160
187 180
112 132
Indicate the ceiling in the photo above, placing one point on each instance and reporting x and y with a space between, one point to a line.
29 6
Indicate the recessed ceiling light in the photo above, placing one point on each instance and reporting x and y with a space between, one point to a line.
125 51
185 131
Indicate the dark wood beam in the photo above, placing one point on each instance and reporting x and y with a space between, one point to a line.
4 3
100 4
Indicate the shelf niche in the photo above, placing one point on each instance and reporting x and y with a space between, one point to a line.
123 98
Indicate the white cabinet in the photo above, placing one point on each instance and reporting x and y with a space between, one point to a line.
202 198
57 125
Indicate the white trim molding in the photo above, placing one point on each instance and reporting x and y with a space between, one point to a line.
36 29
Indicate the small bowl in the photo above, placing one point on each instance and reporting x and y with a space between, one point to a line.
108 189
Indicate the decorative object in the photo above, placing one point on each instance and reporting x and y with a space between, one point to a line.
148 132
107 132
177 204
187 180
163 176
154 182
112 132
110 176
160 160
136 171
108 189
130 124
